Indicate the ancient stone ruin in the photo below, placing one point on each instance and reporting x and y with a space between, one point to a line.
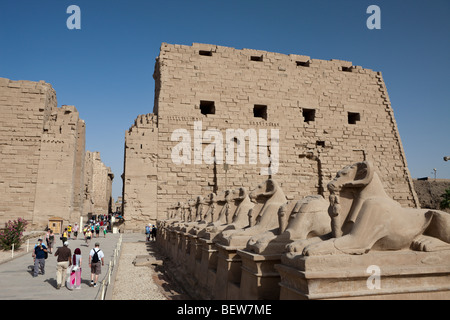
45 170
325 209
306 118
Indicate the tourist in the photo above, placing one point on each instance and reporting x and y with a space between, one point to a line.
154 233
88 236
63 262
95 263
64 236
75 231
76 260
39 255
148 231
69 230
104 231
49 239
97 229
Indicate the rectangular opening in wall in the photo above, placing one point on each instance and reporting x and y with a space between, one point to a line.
256 58
302 63
353 117
260 111
207 107
347 69
320 143
309 115
207 53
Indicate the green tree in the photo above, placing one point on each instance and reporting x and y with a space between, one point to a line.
445 203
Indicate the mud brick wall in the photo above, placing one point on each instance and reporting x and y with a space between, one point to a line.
329 114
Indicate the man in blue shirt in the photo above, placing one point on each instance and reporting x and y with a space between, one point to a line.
39 254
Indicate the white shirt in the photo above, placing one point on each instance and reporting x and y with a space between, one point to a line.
99 253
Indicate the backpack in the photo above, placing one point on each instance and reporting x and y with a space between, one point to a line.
95 256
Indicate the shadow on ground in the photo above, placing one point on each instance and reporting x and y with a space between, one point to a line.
169 286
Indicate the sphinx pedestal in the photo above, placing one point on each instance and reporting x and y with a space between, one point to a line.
195 255
207 268
173 244
259 278
402 275
228 274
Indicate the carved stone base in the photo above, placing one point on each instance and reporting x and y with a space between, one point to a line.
402 275
228 275
194 255
207 269
259 279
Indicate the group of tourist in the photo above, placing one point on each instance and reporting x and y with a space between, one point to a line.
150 232
68 265
95 228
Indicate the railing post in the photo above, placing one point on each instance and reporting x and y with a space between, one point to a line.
107 280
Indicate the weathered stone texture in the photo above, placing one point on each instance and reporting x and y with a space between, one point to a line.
430 192
140 166
98 185
42 155
328 113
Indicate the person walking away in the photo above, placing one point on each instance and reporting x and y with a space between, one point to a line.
63 262
95 263
64 236
39 255
97 229
154 233
104 231
75 231
76 269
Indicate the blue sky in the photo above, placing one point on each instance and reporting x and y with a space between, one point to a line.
105 69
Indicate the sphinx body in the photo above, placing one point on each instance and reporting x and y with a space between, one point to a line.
364 217
213 228
308 222
259 221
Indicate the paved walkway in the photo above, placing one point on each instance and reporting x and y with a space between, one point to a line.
17 282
